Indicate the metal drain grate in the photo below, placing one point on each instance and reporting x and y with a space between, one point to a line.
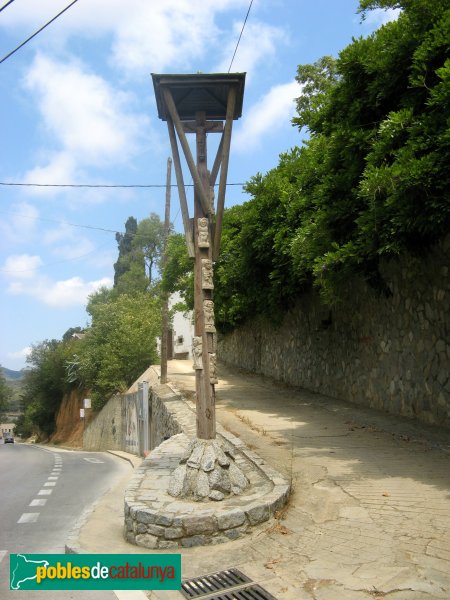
225 585
210 584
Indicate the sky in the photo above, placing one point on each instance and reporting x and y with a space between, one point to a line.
77 107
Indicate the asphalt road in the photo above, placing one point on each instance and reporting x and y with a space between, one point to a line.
43 494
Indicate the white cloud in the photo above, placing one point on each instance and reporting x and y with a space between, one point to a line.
258 43
24 353
380 16
20 223
90 122
270 113
25 280
21 266
70 292
67 243
145 36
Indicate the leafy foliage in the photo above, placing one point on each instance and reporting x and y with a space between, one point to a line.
371 181
44 385
5 394
119 345
178 274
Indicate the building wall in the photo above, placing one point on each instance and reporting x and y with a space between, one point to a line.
7 428
182 330
390 353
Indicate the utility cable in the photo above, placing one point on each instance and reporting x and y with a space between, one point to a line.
240 35
5 212
5 5
36 32
101 185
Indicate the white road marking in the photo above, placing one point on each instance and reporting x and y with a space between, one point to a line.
2 555
49 483
38 502
44 492
94 460
53 478
28 518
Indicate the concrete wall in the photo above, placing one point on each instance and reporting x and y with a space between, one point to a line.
106 431
390 353
110 428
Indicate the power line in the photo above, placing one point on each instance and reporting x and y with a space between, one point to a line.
240 35
5 5
101 185
5 212
36 32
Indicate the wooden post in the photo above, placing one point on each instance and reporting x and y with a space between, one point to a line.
206 420
165 305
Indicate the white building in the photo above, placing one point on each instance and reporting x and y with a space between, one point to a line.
181 332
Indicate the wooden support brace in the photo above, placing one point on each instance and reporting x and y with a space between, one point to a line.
224 169
217 163
181 190
203 194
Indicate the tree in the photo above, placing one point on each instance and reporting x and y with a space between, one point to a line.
45 383
149 241
178 275
5 394
119 345
127 252
371 181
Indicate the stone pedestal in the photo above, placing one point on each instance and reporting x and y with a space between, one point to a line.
207 471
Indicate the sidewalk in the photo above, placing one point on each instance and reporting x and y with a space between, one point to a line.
370 510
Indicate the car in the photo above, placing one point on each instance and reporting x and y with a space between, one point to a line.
9 439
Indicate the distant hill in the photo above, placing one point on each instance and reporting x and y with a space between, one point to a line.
11 375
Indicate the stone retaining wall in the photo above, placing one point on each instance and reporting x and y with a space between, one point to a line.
390 353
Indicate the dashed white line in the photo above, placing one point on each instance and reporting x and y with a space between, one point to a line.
49 483
28 518
44 492
52 478
38 502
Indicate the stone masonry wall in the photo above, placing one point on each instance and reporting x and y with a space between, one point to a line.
390 353
163 423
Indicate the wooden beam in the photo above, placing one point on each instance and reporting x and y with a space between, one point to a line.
181 189
165 303
217 163
203 195
224 169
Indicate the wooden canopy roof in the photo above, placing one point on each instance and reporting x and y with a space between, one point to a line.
199 92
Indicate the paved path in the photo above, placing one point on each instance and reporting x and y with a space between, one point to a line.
369 516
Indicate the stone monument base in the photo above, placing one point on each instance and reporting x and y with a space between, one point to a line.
156 519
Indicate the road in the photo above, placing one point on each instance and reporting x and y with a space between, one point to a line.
43 494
